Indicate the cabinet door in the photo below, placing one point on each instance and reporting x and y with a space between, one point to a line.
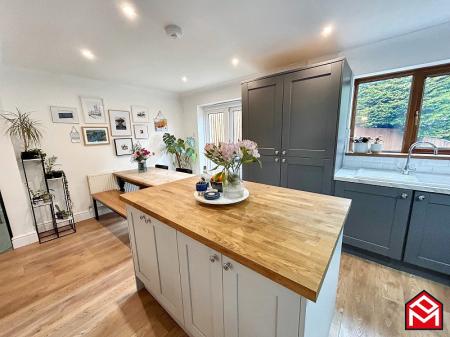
143 246
201 279
262 103
268 173
169 269
256 306
307 174
428 242
310 111
378 217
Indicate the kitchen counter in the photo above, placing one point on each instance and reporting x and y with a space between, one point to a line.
435 183
286 235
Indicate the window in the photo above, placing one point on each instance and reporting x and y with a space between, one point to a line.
223 123
404 108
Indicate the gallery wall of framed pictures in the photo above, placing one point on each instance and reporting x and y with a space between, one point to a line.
99 124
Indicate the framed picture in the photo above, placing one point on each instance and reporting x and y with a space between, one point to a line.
140 131
160 122
95 135
124 146
64 115
119 121
140 114
94 112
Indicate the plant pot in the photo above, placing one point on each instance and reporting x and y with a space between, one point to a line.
49 175
57 174
376 147
47 198
217 186
36 200
360 147
29 155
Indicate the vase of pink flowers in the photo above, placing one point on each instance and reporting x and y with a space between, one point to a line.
230 157
140 155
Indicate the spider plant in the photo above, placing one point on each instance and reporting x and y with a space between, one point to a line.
22 126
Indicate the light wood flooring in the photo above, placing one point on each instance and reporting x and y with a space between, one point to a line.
83 285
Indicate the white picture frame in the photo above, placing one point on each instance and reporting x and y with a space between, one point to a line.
120 123
123 146
95 135
93 110
140 131
65 115
140 114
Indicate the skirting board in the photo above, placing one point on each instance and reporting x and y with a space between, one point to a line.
31 237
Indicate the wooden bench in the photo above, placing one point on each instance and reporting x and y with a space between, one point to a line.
104 189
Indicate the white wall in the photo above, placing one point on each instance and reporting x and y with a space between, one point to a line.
35 91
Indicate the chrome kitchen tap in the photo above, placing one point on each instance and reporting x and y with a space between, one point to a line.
407 169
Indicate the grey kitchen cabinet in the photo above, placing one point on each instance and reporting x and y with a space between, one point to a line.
378 217
293 117
428 241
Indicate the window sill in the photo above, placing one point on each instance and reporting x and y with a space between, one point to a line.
399 155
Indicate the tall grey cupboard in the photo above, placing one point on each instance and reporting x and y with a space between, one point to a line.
294 117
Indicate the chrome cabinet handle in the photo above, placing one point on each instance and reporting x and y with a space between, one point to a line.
227 266
421 197
283 152
277 159
283 160
404 196
277 152
213 258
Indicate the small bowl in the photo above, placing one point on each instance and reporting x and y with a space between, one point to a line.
201 186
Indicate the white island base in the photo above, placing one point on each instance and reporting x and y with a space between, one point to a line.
211 295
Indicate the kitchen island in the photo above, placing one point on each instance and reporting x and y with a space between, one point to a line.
265 267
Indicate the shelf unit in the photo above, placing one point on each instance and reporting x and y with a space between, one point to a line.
56 231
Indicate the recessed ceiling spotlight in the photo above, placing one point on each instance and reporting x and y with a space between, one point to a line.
184 79
87 54
235 61
128 10
327 30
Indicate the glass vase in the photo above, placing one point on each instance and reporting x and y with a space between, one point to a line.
142 166
233 188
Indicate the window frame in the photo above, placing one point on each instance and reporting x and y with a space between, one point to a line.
412 122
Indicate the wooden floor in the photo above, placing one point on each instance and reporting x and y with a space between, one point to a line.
83 285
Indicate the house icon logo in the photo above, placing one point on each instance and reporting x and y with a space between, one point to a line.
424 312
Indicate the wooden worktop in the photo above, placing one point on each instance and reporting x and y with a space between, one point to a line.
286 235
152 177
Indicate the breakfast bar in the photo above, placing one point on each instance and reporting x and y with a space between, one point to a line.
267 266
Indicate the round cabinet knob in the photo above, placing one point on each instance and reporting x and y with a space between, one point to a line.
277 152
227 266
283 152
213 258
283 160
421 197
404 196
277 160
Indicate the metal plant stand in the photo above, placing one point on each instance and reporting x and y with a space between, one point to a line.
54 228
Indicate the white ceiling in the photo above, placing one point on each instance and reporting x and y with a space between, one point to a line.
264 34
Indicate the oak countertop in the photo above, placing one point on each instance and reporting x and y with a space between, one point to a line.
152 177
287 235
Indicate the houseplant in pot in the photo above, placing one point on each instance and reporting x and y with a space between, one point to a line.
182 150
50 163
361 145
140 155
22 126
230 157
377 145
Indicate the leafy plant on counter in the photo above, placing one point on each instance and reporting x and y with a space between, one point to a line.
183 150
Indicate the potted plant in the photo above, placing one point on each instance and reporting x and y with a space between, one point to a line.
361 145
49 164
377 145
231 157
22 126
40 196
140 155
183 151
61 214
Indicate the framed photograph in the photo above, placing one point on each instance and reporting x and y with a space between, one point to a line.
93 110
124 146
140 114
95 135
64 115
120 123
140 131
